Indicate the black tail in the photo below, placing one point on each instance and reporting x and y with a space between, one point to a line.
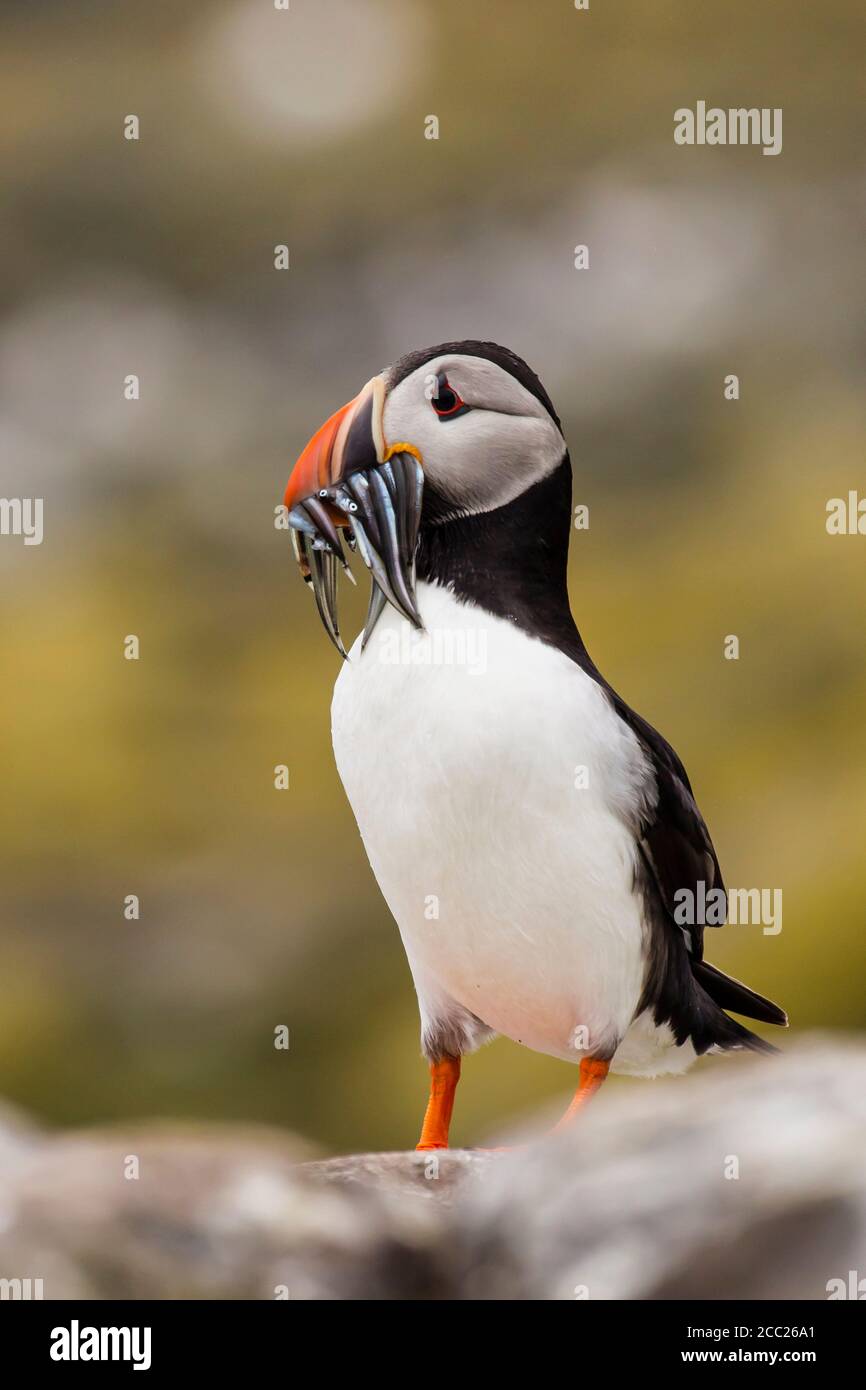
692 996
731 994
713 1029
710 1027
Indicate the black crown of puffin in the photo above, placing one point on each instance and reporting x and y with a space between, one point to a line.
348 478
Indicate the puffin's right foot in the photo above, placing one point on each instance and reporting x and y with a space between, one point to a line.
444 1076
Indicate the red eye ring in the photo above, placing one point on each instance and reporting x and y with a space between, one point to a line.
447 403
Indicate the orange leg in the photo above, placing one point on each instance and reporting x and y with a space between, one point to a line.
444 1076
592 1073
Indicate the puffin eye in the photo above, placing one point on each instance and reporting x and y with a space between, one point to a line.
447 404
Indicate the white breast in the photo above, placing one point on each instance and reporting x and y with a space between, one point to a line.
490 778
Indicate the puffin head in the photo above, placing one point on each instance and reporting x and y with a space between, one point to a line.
458 431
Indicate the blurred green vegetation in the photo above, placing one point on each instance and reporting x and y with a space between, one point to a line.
707 517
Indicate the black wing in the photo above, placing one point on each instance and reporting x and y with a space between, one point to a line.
678 854
675 841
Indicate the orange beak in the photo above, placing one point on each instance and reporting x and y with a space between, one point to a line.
351 439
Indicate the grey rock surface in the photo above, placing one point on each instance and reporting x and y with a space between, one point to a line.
745 1180
432 1177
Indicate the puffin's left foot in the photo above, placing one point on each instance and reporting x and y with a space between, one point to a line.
444 1076
592 1074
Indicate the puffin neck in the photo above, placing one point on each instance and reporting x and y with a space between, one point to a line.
512 562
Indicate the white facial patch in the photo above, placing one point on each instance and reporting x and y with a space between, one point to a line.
482 459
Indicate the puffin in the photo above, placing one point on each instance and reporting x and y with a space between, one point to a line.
534 838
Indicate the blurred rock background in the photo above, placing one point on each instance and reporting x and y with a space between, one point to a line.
260 127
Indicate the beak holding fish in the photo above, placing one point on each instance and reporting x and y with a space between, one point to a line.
349 480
